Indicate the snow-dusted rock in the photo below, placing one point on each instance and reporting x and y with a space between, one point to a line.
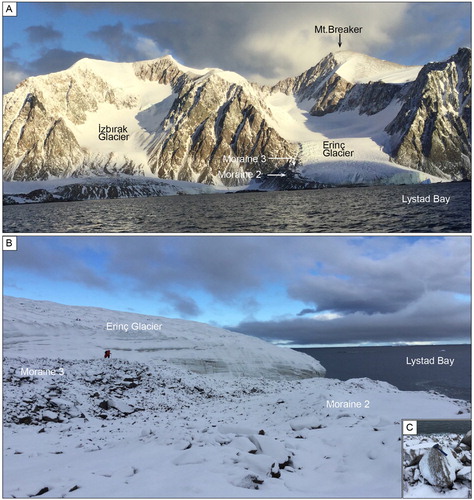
439 469
192 456
49 416
467 439
300 423
271 447
464 473
244 444
120 405
250 481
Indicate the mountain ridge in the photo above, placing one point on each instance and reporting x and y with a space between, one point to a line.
183 123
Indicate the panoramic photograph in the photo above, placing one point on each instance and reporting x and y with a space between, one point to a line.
235 366
237 117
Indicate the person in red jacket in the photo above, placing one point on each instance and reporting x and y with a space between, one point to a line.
107 354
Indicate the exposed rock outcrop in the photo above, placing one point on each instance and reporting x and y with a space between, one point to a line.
432 131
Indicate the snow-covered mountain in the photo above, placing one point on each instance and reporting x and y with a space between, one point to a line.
351 118
38 328
173 122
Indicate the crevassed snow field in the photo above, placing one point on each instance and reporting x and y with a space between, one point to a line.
150 424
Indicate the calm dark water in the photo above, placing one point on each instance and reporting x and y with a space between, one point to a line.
362 209
443 426
389 364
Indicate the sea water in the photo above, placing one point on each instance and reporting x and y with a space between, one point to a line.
390 365
331 210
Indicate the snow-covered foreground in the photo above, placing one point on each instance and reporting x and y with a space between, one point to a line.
116 428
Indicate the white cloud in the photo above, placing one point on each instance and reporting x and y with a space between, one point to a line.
12 74
328 316
149 48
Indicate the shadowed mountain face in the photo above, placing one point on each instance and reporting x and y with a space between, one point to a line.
432 131
160 119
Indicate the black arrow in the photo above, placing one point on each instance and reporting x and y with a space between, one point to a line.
340 42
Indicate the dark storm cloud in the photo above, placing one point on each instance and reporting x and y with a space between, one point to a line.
204 34
415 44
12 74
331 293
337 274
50 61
118 41
186 306
436 317
275 40
39 257
57 60
355 281
43 34
223 267
303 312
9 50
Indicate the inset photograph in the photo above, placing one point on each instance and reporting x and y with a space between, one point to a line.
437 459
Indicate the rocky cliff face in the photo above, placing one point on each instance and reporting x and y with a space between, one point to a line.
213 118
432 131
39 122
194 125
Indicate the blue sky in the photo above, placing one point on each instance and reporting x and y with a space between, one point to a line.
263 41
306 290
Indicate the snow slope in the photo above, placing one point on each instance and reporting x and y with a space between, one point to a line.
360 68
147 105
361 134
121 98
37 328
